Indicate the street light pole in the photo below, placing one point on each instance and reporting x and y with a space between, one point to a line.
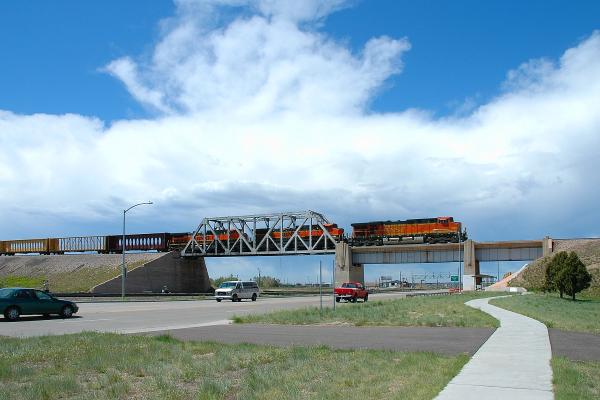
459 258
123 247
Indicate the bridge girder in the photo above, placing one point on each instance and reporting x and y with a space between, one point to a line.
261 235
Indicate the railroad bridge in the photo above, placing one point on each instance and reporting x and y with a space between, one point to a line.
311 233
279 234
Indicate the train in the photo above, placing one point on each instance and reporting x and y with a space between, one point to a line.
162 242
82 244
424 230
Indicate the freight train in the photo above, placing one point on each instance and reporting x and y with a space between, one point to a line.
161 242
425 230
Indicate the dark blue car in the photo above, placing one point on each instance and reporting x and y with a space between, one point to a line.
15 302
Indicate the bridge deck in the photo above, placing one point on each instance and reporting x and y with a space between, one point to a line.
521 250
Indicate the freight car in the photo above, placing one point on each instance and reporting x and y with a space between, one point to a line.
179 241
162 242
86 244
425 230
282 237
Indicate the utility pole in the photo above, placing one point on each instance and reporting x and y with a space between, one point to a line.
498 276
333 284
321 287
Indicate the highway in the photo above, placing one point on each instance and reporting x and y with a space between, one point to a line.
141 317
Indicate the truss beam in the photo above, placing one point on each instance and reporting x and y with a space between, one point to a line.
290 233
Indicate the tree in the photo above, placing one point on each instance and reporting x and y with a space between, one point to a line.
567 274
268 281
217 282
553 271
575 276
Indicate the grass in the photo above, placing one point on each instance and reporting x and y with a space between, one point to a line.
80 280
576 379
110 366
534 276
412 311
580 316
85 278
21 281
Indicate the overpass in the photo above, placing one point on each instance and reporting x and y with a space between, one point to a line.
309 232
350 261
291 233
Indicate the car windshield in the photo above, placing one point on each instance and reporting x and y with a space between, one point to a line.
225 285
349 285
6 293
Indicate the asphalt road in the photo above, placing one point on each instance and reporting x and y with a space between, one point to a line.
443 340
139 317
575 345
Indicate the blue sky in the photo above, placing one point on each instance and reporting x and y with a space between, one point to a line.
481 110
461 51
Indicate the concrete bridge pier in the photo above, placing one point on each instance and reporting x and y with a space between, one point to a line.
345 270
547 246
471 266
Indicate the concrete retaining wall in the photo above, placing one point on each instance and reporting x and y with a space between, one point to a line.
180 275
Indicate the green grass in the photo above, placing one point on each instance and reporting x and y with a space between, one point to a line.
110 366
576 379
21 281
79 280
85 278
580 316
413 311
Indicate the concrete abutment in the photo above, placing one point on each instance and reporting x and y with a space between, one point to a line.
178 274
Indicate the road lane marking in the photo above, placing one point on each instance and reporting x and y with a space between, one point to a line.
173 327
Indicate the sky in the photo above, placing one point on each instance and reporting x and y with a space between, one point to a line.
361 110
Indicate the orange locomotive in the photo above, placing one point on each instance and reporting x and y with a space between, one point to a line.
425 230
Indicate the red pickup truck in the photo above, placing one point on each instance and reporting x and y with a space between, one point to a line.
351 291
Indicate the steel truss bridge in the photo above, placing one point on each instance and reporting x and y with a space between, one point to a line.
287 233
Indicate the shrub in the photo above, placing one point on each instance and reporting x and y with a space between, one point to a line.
567 274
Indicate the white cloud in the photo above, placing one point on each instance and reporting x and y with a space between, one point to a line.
259 65
266 113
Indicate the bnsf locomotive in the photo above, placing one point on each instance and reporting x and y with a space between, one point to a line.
161 242
426 230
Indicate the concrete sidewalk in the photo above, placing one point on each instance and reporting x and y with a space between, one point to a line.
514 363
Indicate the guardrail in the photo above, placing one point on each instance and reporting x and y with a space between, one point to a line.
429 294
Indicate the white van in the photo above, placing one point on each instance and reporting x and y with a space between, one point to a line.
237 290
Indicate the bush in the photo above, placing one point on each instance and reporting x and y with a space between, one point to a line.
567 274
267 281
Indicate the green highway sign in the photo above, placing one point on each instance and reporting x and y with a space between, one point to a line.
454 278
